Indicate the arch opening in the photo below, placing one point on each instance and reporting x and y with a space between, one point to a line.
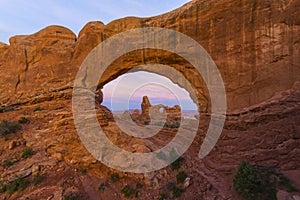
159 89
131 61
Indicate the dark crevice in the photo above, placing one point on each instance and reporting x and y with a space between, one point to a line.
26 59
18 83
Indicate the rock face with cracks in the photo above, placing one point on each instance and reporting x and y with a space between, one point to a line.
250 41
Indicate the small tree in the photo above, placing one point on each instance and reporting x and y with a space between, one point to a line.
7 127
246 182
260 183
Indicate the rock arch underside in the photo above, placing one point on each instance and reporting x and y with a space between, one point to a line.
256 47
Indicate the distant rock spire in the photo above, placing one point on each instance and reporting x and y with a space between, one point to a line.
146 105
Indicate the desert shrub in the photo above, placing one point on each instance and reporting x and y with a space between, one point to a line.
8 109
285 183
129 192
246 182
19 184
138 186
177 163
2 187
272 179
7 127
259 183
26 153
70 196
177 192
102 187
37 179
162 196
170 185
23 120
24 112
172 125
114 177
8 163
180 177
38 108
83 171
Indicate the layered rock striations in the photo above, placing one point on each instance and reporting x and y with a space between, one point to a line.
250 41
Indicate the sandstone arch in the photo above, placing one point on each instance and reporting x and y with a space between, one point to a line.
257 56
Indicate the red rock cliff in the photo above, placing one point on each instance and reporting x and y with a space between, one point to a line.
255 45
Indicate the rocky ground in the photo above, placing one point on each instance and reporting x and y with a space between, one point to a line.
270 137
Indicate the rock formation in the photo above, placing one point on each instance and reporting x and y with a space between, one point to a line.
249 41
173 116
154 114
255 45
146 106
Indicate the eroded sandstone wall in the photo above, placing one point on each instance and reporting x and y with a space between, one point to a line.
255 45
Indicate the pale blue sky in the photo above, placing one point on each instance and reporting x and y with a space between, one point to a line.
18 17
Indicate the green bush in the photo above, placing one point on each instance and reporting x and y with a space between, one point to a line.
8 163
114 177
8 109
162 196
146 122
27 152
285 183
173 188
37 179
259 183
138 186
180 177
177 163
7 127
2 187
172 125
177 192
38 108
70 196
19 184
170 185
102 187
23 120
129 192
83 171
246 182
